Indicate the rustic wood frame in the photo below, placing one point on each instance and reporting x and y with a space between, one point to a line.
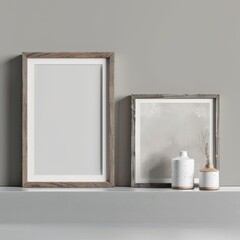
216 108
109 56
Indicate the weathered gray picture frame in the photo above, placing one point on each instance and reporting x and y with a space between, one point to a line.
214 98
109 129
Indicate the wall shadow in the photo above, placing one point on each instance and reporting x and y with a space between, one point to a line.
14 116
123 142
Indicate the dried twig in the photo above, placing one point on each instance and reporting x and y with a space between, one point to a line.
205 146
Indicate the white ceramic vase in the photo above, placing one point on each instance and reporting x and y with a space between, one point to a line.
182 172
209 178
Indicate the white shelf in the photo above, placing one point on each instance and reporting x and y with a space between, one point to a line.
116 190
119 206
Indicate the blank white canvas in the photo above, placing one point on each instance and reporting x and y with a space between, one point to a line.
67 108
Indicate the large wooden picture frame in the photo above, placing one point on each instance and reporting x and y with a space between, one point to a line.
163 125
68 119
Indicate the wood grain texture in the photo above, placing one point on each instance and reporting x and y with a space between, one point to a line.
216 107
111 130
110 182
68 184
133 144
107 55
209 168
176 96
209 188
183 188
216 120
24 120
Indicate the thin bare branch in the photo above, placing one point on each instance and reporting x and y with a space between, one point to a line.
205 145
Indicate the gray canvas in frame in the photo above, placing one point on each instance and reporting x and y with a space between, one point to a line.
110 132
156 156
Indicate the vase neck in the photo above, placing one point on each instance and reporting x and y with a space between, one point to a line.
183 154
209 165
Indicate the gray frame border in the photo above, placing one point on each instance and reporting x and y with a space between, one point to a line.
216 113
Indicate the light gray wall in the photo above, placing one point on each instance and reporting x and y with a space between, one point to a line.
161 47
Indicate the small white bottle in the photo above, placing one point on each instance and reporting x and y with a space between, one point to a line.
209 178
182 172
